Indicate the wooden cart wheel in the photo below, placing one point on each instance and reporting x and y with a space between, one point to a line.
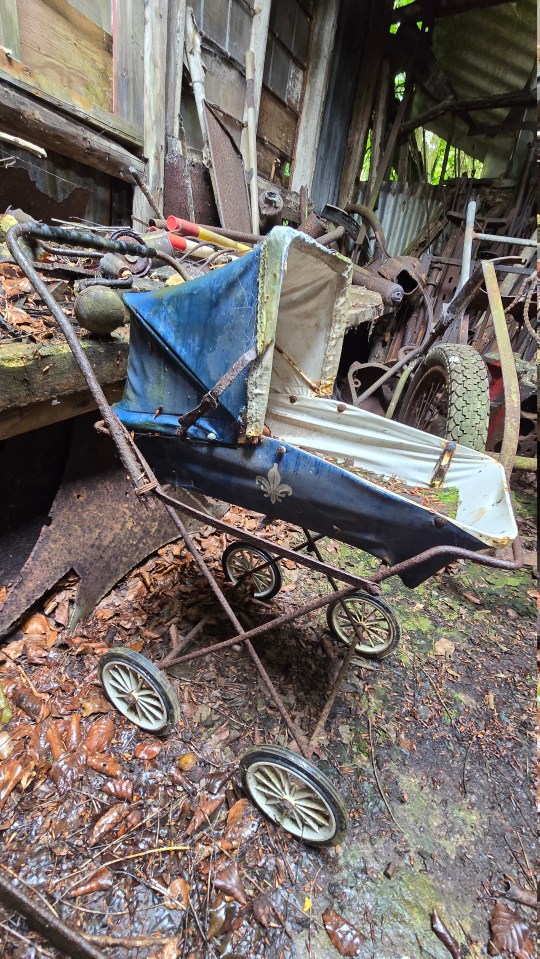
241 560
139 690
294 794
381 630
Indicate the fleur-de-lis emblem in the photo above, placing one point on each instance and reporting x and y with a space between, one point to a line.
273 487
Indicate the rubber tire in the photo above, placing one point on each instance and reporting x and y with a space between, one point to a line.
153 676
265 557
387 611
291 762
466 377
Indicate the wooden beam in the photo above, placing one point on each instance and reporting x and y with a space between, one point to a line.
33 417
175 61
40 385
21 113
522 99
31 373
257 43
9 28
320 59
155 55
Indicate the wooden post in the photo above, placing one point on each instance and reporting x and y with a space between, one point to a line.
252 141
320 59
155 56
259 35
379 124
175 59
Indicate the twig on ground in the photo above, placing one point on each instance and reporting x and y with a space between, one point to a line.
377 780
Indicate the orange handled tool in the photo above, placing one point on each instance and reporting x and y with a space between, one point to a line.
200 233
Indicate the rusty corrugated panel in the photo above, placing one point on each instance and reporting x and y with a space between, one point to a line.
403 209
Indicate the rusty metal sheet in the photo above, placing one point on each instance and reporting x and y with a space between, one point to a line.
228 176
98 528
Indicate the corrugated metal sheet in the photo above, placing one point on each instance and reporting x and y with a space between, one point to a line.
403 209
350 35
483 53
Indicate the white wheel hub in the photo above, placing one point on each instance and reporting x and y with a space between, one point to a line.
291 801
134 696
245 562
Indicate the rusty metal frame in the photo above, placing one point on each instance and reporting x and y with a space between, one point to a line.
145 482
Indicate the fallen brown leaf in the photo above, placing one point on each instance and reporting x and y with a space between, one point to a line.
119 788
148 750
100 735
229 880
346 938
178 892
108 821
509 931
204 811
102 879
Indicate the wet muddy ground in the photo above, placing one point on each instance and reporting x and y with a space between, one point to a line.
148 845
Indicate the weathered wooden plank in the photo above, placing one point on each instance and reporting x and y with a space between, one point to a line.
320 58
175 62
27 80
277 124
67 48
9 28
97 10
155 48
33 417
21 114
31 374
128 56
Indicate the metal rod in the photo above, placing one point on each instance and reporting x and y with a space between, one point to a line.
495 238
467 245
40 919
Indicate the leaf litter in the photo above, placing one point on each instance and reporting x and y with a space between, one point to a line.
154 832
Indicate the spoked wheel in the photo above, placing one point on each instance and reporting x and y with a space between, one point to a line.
139 690
375 619
294 794
449 396
241 560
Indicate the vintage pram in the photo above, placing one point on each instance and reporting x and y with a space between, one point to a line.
229 394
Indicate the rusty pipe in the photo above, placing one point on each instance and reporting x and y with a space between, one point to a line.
331 237
392 293
374 223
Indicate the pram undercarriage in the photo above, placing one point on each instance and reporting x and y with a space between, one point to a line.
197 410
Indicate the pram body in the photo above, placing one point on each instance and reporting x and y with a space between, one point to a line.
277 442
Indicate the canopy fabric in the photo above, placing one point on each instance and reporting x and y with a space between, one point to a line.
185 338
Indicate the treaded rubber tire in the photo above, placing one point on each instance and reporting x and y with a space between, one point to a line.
467 416
289 762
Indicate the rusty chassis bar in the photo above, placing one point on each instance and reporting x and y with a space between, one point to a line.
145 481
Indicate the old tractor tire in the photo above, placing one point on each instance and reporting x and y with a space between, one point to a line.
449 396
